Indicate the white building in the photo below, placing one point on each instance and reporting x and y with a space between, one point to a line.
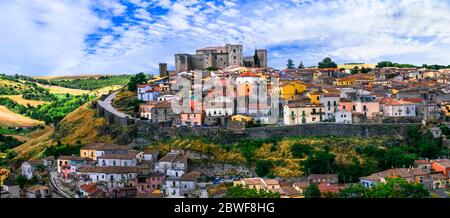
146 93
180 186
343 117
29 168
397 108
132 158
330 103
113 176
219 106
173 164
151 155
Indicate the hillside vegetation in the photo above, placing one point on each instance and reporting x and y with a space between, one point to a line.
10 119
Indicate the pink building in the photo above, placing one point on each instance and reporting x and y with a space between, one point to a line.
191 119
368 109
149 183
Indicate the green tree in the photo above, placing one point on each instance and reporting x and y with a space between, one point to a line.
354 191
429 146
301 66
290 64
300 150
327 63
319 162
240 192
398 188
263 167
139 79
256 59
355 70
312 191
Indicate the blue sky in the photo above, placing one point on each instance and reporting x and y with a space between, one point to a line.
62 37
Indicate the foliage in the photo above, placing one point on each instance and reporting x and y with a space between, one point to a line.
212 68
8 142
393 188
58 150
50 113
136 80
327 63
256 59
241 192
301 66
300 151
263 167
22 181
445 130
320 162
390 64
353 191
312 191
89 83
290 64
8 91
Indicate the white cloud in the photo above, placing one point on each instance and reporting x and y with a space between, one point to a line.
50 37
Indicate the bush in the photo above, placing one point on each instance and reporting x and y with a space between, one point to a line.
263 167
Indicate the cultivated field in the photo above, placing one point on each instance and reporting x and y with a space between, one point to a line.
22 101
11 119
62 90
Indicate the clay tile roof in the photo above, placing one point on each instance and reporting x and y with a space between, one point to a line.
109 169
413 100
128 156
248 74
325 187
35 188
271 182
323 176
252 181
89 188
76 158
163 104
191 176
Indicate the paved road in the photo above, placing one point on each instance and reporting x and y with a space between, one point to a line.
56 185
107 105
441 193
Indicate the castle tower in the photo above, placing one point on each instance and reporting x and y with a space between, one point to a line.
163 70
235 54
262 55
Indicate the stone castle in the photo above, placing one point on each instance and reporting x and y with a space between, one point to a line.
218 57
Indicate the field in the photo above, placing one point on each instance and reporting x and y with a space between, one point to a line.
62 90
9 119
70 77
19 99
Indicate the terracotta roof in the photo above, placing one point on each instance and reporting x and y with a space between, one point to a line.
174 157
394 102
191 176
109 169
422 161
248 74
35 188
325 187
89 188
105 146
395 172
271 182
443 162
413 100
323 176
252 181
163 104
77 158
128 156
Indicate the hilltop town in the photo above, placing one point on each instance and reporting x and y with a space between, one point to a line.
219 90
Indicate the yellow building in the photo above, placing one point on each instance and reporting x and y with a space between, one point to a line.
314 96
4 174
292 89
301 112
445 107
242 118
346 81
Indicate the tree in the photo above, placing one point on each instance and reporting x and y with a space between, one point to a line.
263 167
256 59
290 64
327 63
139 79
319 162
240 192
301 66
300 151
428 146
354 191
312 191
365 70
398 188
354 70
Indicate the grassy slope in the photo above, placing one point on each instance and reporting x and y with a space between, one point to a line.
343 148
9 119
62 90
22 101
